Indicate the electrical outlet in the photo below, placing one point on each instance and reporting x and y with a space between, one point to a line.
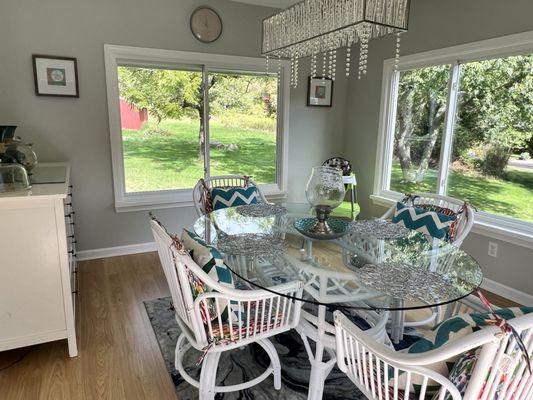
493 249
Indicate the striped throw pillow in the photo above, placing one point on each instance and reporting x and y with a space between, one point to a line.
234 196
431 223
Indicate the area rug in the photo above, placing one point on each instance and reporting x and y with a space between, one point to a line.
237 366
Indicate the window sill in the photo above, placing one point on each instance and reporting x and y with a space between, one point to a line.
153 201
488 225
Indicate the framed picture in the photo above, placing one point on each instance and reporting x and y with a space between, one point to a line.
55 76
319 92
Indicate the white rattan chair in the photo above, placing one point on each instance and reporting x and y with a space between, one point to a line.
258 315
224 181
466 220
464 225
371 365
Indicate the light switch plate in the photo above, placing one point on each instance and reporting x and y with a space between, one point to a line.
493 249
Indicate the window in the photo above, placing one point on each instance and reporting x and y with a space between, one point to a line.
165 136
459 122
420 111
160 124
243 125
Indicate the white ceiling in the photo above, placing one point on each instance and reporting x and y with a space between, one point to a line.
270 3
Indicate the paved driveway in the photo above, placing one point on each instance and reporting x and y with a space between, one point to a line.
527 164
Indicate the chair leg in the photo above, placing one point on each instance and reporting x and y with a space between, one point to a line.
208 376
274 361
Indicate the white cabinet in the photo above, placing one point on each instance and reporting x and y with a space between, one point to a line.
38 264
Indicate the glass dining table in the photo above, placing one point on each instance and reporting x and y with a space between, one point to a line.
376 266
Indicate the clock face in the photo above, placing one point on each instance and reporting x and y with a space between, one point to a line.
206 24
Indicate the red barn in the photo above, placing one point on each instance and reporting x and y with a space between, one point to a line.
131 117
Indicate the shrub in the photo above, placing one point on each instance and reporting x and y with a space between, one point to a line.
495 161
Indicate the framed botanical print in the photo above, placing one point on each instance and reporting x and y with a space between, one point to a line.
319 92
55 76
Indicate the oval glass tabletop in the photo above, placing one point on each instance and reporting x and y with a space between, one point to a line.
375 265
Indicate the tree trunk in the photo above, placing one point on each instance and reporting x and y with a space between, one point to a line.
436 117
406 127
200 109
201 133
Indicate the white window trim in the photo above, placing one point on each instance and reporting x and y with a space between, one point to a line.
115 55
499 227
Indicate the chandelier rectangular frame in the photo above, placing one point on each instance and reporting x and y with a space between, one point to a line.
311 27
314 26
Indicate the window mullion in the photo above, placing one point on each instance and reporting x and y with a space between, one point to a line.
205 100
391 130
449 121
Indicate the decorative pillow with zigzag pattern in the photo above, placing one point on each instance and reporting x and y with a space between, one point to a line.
431 223
233 196
210 260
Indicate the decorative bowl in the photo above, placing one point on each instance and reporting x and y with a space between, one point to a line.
338 227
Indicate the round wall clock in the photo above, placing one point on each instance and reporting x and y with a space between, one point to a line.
206 24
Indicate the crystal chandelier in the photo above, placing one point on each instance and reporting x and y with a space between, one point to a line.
318 28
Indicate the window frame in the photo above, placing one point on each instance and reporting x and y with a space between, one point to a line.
115 55
496 226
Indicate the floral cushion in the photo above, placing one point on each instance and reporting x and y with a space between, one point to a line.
462 372
453 328
233 196
420 218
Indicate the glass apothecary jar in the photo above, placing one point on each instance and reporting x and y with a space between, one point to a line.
13 177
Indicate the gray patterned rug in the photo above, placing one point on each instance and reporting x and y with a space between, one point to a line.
237 366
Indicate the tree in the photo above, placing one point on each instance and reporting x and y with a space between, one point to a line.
495 111
421 111
173 94
165 94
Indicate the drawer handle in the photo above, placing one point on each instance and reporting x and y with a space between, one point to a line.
75 292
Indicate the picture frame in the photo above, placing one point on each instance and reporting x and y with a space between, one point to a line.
55 76
320 92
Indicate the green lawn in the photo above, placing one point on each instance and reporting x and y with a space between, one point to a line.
170 161
512 197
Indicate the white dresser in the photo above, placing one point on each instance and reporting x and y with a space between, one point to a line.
38 262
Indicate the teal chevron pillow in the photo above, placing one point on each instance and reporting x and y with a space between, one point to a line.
431 223
234 196
210 260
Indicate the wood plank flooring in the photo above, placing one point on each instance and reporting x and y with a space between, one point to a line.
119 356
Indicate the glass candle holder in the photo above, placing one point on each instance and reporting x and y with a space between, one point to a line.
325 191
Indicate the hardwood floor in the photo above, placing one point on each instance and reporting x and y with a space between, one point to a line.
119 356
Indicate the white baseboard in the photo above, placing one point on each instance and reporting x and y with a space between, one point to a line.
116 251
507 292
